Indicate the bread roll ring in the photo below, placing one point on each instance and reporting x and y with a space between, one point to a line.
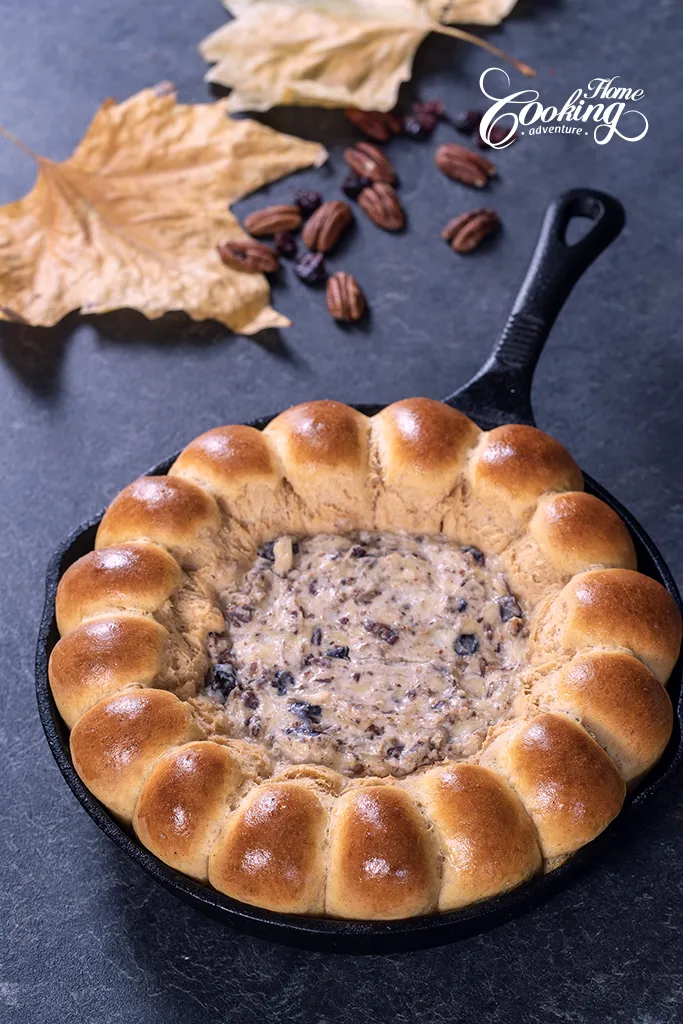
144 679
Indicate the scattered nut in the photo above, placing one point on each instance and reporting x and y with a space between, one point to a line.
345 300
252 257
469 230
462 164
376 124
369 162
381 204
327 225
273 220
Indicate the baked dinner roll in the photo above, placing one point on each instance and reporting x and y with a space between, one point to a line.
130 577
567 783
117 742
102 656
420 447
575 531
323 448
238 465
619 701
508 471
383 861
170 511
487 839
568 533
271 853
614 608
184 802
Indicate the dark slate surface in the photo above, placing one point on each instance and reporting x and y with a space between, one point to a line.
88 405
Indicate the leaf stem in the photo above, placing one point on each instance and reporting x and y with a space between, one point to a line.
21 145
458 33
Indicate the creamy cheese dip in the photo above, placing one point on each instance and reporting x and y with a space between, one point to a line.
371 653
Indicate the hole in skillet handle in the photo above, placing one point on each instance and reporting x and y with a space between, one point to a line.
501 391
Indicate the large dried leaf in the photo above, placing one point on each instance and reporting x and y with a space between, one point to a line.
331 53
133 217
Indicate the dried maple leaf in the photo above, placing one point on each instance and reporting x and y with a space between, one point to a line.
332 53
133 217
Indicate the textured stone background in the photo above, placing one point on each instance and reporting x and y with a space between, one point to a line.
88 405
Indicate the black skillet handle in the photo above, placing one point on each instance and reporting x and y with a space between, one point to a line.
501 391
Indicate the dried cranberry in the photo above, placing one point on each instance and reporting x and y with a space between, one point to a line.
419 126
509 608
338 652
267 551
477 555
223 679
307 201
282 681
311 268
305 711
250 699
468 121
285 243
434 107
466 644
353 185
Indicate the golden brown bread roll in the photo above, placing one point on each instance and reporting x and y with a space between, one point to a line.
169 511
323 449
271 852
382 857
239 466
130 577
619 701
102 656
117 742
187 797
488 840
615 608
509 470
568 533
420 447
568 785
158 603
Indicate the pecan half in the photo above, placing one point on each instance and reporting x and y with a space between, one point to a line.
253 257
469 230
374 123
327 225
345 300
464 165
381 204
273 220
369 162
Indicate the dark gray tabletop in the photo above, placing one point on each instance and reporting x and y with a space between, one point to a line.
87 406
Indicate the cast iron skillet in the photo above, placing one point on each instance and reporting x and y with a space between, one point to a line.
499 393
